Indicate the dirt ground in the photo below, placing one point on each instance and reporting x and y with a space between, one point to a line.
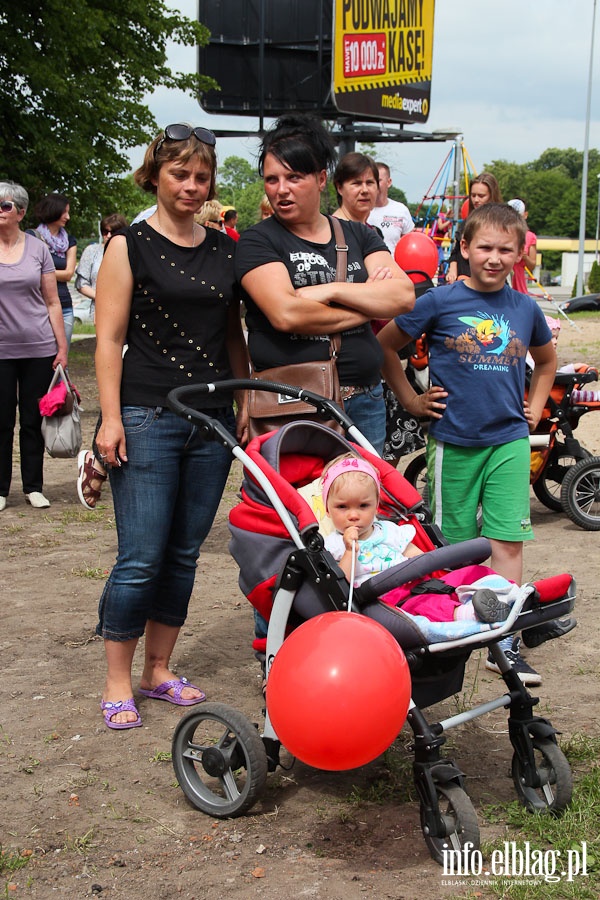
100 813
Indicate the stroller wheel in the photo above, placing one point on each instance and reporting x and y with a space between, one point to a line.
547 487
416 474
460 822
220 760
580 495
554 782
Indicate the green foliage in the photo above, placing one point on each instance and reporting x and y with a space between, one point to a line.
72 92
369 149
395 193
240 185
551 189
594 279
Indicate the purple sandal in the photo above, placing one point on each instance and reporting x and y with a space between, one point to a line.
177 684
111 709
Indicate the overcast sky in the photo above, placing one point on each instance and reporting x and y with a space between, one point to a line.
512 76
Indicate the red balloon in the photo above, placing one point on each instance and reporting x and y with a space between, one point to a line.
464 210
417 252
338 691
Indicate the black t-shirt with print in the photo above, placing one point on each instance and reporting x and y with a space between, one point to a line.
309 263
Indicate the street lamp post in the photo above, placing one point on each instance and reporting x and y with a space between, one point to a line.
598 217
584 174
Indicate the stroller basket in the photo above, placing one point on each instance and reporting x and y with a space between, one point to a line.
289 577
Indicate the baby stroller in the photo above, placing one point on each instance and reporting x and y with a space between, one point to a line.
220 758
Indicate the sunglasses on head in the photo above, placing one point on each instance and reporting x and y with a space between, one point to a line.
183 132
8 205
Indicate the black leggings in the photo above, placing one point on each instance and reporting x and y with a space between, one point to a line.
23 382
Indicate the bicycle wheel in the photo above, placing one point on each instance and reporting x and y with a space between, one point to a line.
219 760
460 820
556 782
548 485
580 494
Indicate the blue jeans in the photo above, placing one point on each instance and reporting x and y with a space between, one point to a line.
165 499
367 411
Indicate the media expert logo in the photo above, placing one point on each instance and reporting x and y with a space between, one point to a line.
513 862
406 104
386 38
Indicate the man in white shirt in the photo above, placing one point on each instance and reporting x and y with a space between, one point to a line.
392 218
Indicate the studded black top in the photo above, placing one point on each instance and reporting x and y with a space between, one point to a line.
178 322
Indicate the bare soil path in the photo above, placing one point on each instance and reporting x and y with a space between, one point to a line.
99 812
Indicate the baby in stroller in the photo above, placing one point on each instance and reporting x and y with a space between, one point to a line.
363 545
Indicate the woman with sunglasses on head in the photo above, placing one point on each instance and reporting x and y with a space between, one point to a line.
32 343
53 214
166 288
287 268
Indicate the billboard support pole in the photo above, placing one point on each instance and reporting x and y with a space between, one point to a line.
457 159
347 143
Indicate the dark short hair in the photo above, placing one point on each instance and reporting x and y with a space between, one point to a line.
113 222
495 215
229 214
353 164
302 143
50 208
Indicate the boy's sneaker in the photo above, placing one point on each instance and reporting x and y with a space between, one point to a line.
525 672
488 606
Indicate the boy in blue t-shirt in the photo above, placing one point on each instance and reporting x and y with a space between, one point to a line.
479 332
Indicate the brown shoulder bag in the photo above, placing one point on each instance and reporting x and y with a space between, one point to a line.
269 411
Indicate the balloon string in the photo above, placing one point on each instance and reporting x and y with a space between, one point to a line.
352 568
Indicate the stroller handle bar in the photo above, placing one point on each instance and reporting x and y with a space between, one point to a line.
176 400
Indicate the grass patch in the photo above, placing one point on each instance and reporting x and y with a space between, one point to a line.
84 328
11 861
161 756
91 572
392 782
558 838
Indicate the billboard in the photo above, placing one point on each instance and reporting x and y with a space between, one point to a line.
268 56
382 58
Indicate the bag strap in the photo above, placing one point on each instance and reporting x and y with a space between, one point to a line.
60 375
341 249
341 271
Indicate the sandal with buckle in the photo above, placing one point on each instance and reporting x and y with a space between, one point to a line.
111 709
88 494
177 685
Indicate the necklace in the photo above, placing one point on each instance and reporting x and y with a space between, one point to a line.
10 249
168 238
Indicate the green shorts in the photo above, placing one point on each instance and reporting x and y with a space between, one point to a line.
496 478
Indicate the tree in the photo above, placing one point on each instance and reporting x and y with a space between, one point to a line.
594 279
73 77
551 189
